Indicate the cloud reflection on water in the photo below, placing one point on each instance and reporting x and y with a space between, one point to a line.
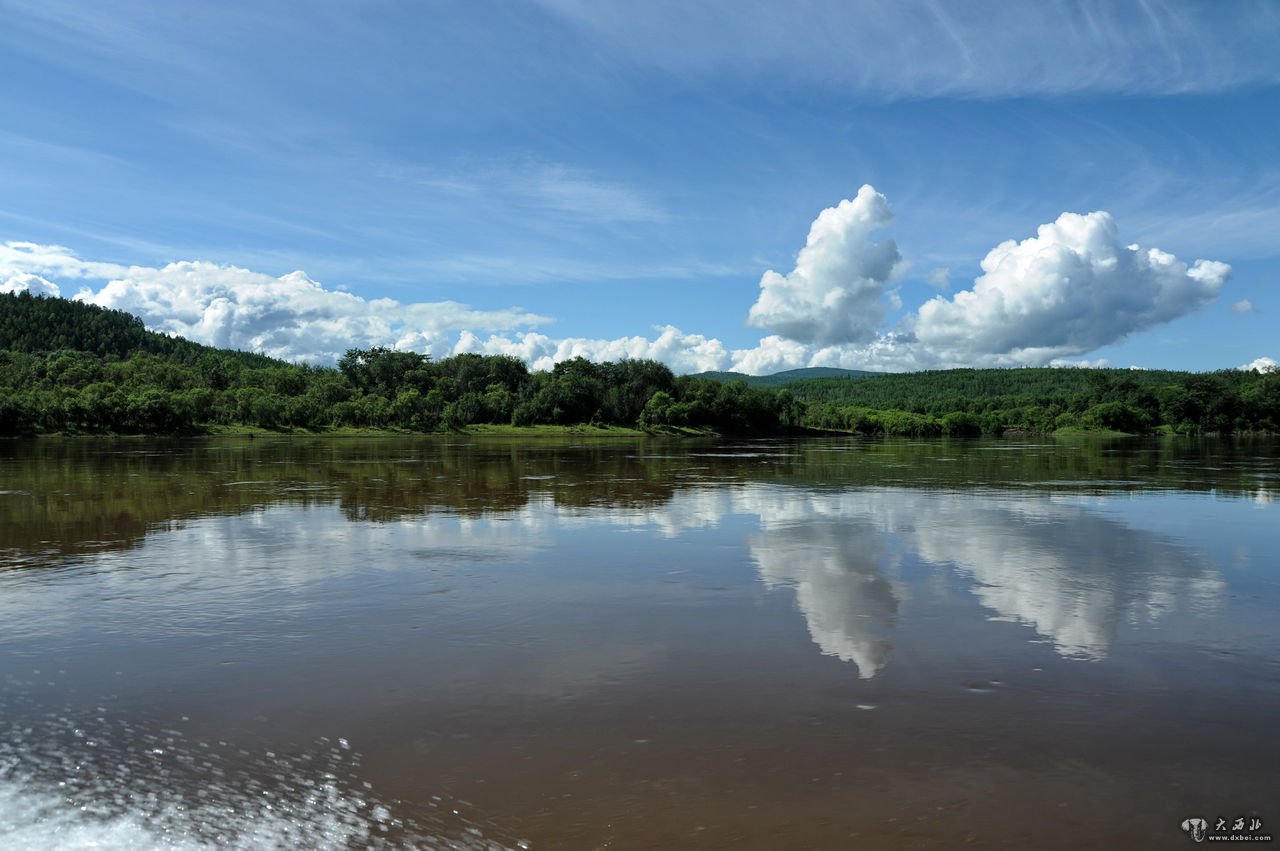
835 568
1071 572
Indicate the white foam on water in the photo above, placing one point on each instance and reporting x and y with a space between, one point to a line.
71 785
32 818
42 821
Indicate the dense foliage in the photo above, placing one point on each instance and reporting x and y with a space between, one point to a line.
994 401
72 367
782 379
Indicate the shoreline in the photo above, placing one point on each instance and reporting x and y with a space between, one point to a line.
611 432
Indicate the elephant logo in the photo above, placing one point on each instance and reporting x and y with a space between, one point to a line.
1197 827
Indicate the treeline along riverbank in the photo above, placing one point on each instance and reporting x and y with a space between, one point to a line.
75 368
68 367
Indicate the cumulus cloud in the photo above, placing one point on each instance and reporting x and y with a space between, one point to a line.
1262 364
1242 307
1048 299
682 352
52 261
771 354
1072 288
890 352
29 283
835 292
291 316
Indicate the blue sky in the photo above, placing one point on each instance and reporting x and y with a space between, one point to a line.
611 178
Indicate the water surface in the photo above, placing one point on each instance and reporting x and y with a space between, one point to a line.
455 642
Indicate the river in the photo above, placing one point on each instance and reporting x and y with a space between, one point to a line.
460 642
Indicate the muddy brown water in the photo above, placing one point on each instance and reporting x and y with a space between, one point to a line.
503 643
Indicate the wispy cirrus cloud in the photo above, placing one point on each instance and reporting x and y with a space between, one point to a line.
527 269
925 49
547 188
577 193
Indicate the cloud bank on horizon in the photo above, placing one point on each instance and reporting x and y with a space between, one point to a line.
290 317
1069 290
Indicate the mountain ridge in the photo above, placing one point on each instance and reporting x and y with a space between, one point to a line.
787 376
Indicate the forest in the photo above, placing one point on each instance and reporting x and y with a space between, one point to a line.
72 368
68 367
996 401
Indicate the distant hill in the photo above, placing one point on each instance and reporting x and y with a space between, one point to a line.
33 324
780 379
955 389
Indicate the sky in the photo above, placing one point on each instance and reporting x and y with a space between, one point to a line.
722 184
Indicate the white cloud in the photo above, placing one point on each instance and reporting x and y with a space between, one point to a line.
682 352
1262 364
53 261
543 188
1070 289
771 354
1049 299
295 318
889 353
575 193
835 292
290 317
1082 363
25 282
1242 307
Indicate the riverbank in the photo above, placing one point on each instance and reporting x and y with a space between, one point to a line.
597 432
478 430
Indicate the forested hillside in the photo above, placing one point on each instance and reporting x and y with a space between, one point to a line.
72 367
1046 399
76 368
33 324
784 378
